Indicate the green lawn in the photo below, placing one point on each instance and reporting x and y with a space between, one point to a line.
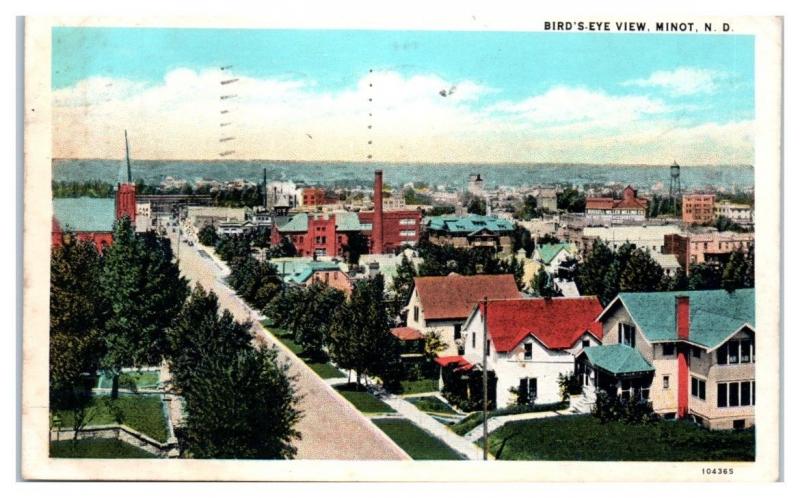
430 404
363 400
96 448
140 412
419 386
323 369
583 437
475 419
129 380
416 442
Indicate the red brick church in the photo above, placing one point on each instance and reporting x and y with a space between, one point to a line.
92 218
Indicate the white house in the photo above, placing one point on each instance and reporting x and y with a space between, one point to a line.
551 256
531 342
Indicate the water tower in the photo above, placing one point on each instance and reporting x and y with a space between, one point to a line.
674 186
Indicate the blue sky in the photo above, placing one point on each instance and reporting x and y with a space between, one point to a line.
669 81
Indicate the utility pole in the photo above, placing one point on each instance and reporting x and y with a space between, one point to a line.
485 379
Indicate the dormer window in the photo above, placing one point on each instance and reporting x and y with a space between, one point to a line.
626 334
528 351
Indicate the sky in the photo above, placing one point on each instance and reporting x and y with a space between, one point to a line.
436 96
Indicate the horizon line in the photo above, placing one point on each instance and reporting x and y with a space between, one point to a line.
401 163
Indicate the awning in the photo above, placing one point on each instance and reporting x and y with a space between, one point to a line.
458 362
618 359
407 333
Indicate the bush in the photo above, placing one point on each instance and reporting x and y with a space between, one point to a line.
612 408
570 385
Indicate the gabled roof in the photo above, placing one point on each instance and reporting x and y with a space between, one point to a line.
407 333
599 203
345 222
467 224
618 359
298 270
557 323
458 361
714 315
549 251
85 214
454 296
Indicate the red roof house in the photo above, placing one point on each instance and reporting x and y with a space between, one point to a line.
557 323
441 304
531 344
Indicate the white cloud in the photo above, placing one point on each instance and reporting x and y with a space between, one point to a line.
411 119
681 81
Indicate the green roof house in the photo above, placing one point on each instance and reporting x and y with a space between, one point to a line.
691 354
473 230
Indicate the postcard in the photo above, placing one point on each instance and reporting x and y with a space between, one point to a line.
523 249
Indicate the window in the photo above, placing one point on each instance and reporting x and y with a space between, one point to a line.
665 381
627 334
457 331
586 343
736 351
473 340
416 313
738 424
668 349
528 390
407 233
732 394
696 352
698 388
528 351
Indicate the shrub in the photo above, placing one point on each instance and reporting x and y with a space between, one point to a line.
612 408
569 385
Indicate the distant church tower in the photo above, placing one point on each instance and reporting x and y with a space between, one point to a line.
126 191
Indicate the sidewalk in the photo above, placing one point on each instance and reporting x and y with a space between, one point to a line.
430 424
498 422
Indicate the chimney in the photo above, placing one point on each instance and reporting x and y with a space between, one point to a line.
377 221
682 316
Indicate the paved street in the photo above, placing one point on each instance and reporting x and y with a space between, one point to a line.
331 427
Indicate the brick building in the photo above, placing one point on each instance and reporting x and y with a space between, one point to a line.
698 208
326 234
93 219
712 247
608 211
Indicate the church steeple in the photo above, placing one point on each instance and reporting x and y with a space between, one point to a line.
126 189
128 157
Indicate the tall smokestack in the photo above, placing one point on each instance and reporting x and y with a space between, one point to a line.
377 221
265 189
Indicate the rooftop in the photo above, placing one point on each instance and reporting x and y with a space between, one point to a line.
346 221
618 359
467 224
454 296
549 251
557 323
85 214
714 315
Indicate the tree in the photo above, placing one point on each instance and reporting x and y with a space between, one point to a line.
476 205
596 271
528 209
241 406
359 335
200 332
738 271
641 273
145 292
310 327
78 312
571 200
548 238
208 235
678 282
357 244
704 276
522 240
543 285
